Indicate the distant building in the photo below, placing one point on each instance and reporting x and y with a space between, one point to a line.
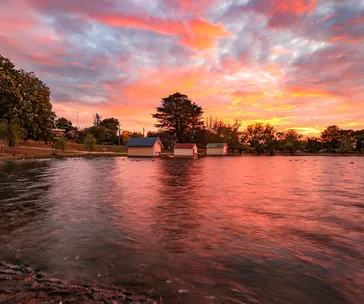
217 149
185 150
144 146
57 133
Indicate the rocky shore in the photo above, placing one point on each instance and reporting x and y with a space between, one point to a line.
20 284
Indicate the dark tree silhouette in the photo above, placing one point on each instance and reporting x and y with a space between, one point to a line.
179 116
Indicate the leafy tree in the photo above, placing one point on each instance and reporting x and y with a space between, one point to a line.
63 123
274 143
179 116
61 144
137 134
331 138
90 143
258 136
223 131
166 139
111 124
11 132
359 140
97 119
292 141
124 138
24 96
313 144
98 132
347 141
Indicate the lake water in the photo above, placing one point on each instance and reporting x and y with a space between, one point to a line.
208 230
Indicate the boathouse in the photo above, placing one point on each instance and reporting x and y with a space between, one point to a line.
144 146
217 149
188 149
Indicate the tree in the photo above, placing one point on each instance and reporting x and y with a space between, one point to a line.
61 144
221 131
331 138
257 136
90 143
97 119
111 124
166 139
179 116
359 140
98 132
136 134
347 141
313 144
275 143
26 98
292 141
63 123
11 132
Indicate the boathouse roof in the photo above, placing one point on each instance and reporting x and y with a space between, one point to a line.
185 146
143 142
216 145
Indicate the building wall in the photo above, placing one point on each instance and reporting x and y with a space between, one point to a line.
157 149
183 152
216 151
141 151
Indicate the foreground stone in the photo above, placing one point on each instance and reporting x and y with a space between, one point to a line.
19 284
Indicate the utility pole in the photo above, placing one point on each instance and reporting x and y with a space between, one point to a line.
143 131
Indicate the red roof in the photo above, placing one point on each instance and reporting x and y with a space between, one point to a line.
184 146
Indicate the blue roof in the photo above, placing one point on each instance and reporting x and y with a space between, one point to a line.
142 141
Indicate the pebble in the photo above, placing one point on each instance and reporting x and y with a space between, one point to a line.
210 297
168 281
182 290
65 258
77 257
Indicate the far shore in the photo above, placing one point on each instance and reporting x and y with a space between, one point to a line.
27 154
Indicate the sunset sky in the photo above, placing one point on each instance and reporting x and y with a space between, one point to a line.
294 64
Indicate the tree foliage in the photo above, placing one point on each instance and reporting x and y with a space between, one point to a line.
90 143
313 144
11 132
64 123
359 140
26 98
179 116
331 138
97 119
111 124
218 130
61 144
292 141
258 136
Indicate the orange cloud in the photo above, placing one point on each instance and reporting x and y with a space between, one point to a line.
197 33
295 7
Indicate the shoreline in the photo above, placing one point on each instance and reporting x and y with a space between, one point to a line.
20 284
60 155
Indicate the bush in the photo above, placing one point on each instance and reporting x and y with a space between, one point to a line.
61 144
90 143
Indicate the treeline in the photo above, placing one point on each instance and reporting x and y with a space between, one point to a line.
180 120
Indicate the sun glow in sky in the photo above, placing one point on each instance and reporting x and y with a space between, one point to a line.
295 64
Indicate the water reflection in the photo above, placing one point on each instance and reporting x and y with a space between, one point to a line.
209 230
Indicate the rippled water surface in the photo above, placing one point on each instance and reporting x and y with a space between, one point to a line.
209 230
